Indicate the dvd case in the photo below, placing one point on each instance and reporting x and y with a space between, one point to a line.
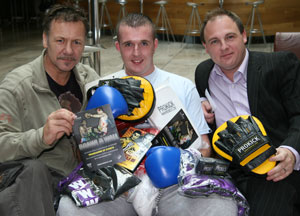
97 138
135 143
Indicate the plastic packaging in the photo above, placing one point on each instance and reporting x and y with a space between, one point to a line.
200 177
89 188
144 197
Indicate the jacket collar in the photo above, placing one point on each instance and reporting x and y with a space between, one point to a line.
39 79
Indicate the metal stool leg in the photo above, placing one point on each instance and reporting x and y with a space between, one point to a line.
261 27
104 13
221 2
251 25
169 26
188 29
164 20
109 21
158 16
77 3
122 11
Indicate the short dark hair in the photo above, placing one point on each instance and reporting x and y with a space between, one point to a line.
211 15
135 20
66 13
137 132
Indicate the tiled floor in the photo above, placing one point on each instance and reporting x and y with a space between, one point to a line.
22 46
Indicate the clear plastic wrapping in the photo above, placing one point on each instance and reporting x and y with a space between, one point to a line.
205 176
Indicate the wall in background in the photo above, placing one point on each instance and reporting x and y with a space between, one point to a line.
276 15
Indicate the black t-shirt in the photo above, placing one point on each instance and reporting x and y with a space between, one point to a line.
69 95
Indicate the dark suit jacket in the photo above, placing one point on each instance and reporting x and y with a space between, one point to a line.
273 85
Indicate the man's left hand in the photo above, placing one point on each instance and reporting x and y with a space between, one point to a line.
285 166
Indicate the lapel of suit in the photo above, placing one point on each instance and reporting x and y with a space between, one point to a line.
202 75
206 75
253 77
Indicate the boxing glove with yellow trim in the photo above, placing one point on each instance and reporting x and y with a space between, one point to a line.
243 140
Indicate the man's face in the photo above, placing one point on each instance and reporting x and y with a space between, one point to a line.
135 136
137 47
224 43
65 44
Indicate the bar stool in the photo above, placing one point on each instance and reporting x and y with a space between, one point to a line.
104 16
163 20
122 11
76 3
194 24
91 56
252 16
221 2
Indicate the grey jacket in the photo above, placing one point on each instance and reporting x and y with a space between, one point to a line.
25 103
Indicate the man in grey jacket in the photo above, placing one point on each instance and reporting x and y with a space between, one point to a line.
37 105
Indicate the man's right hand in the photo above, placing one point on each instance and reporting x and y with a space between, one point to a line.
285 167
207 111
58 123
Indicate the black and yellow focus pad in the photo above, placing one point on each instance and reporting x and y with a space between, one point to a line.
243 140
138 93
144 102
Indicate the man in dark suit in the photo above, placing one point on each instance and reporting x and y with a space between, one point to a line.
265 85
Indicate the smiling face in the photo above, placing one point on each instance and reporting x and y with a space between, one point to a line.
137 47
225 44
64 44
